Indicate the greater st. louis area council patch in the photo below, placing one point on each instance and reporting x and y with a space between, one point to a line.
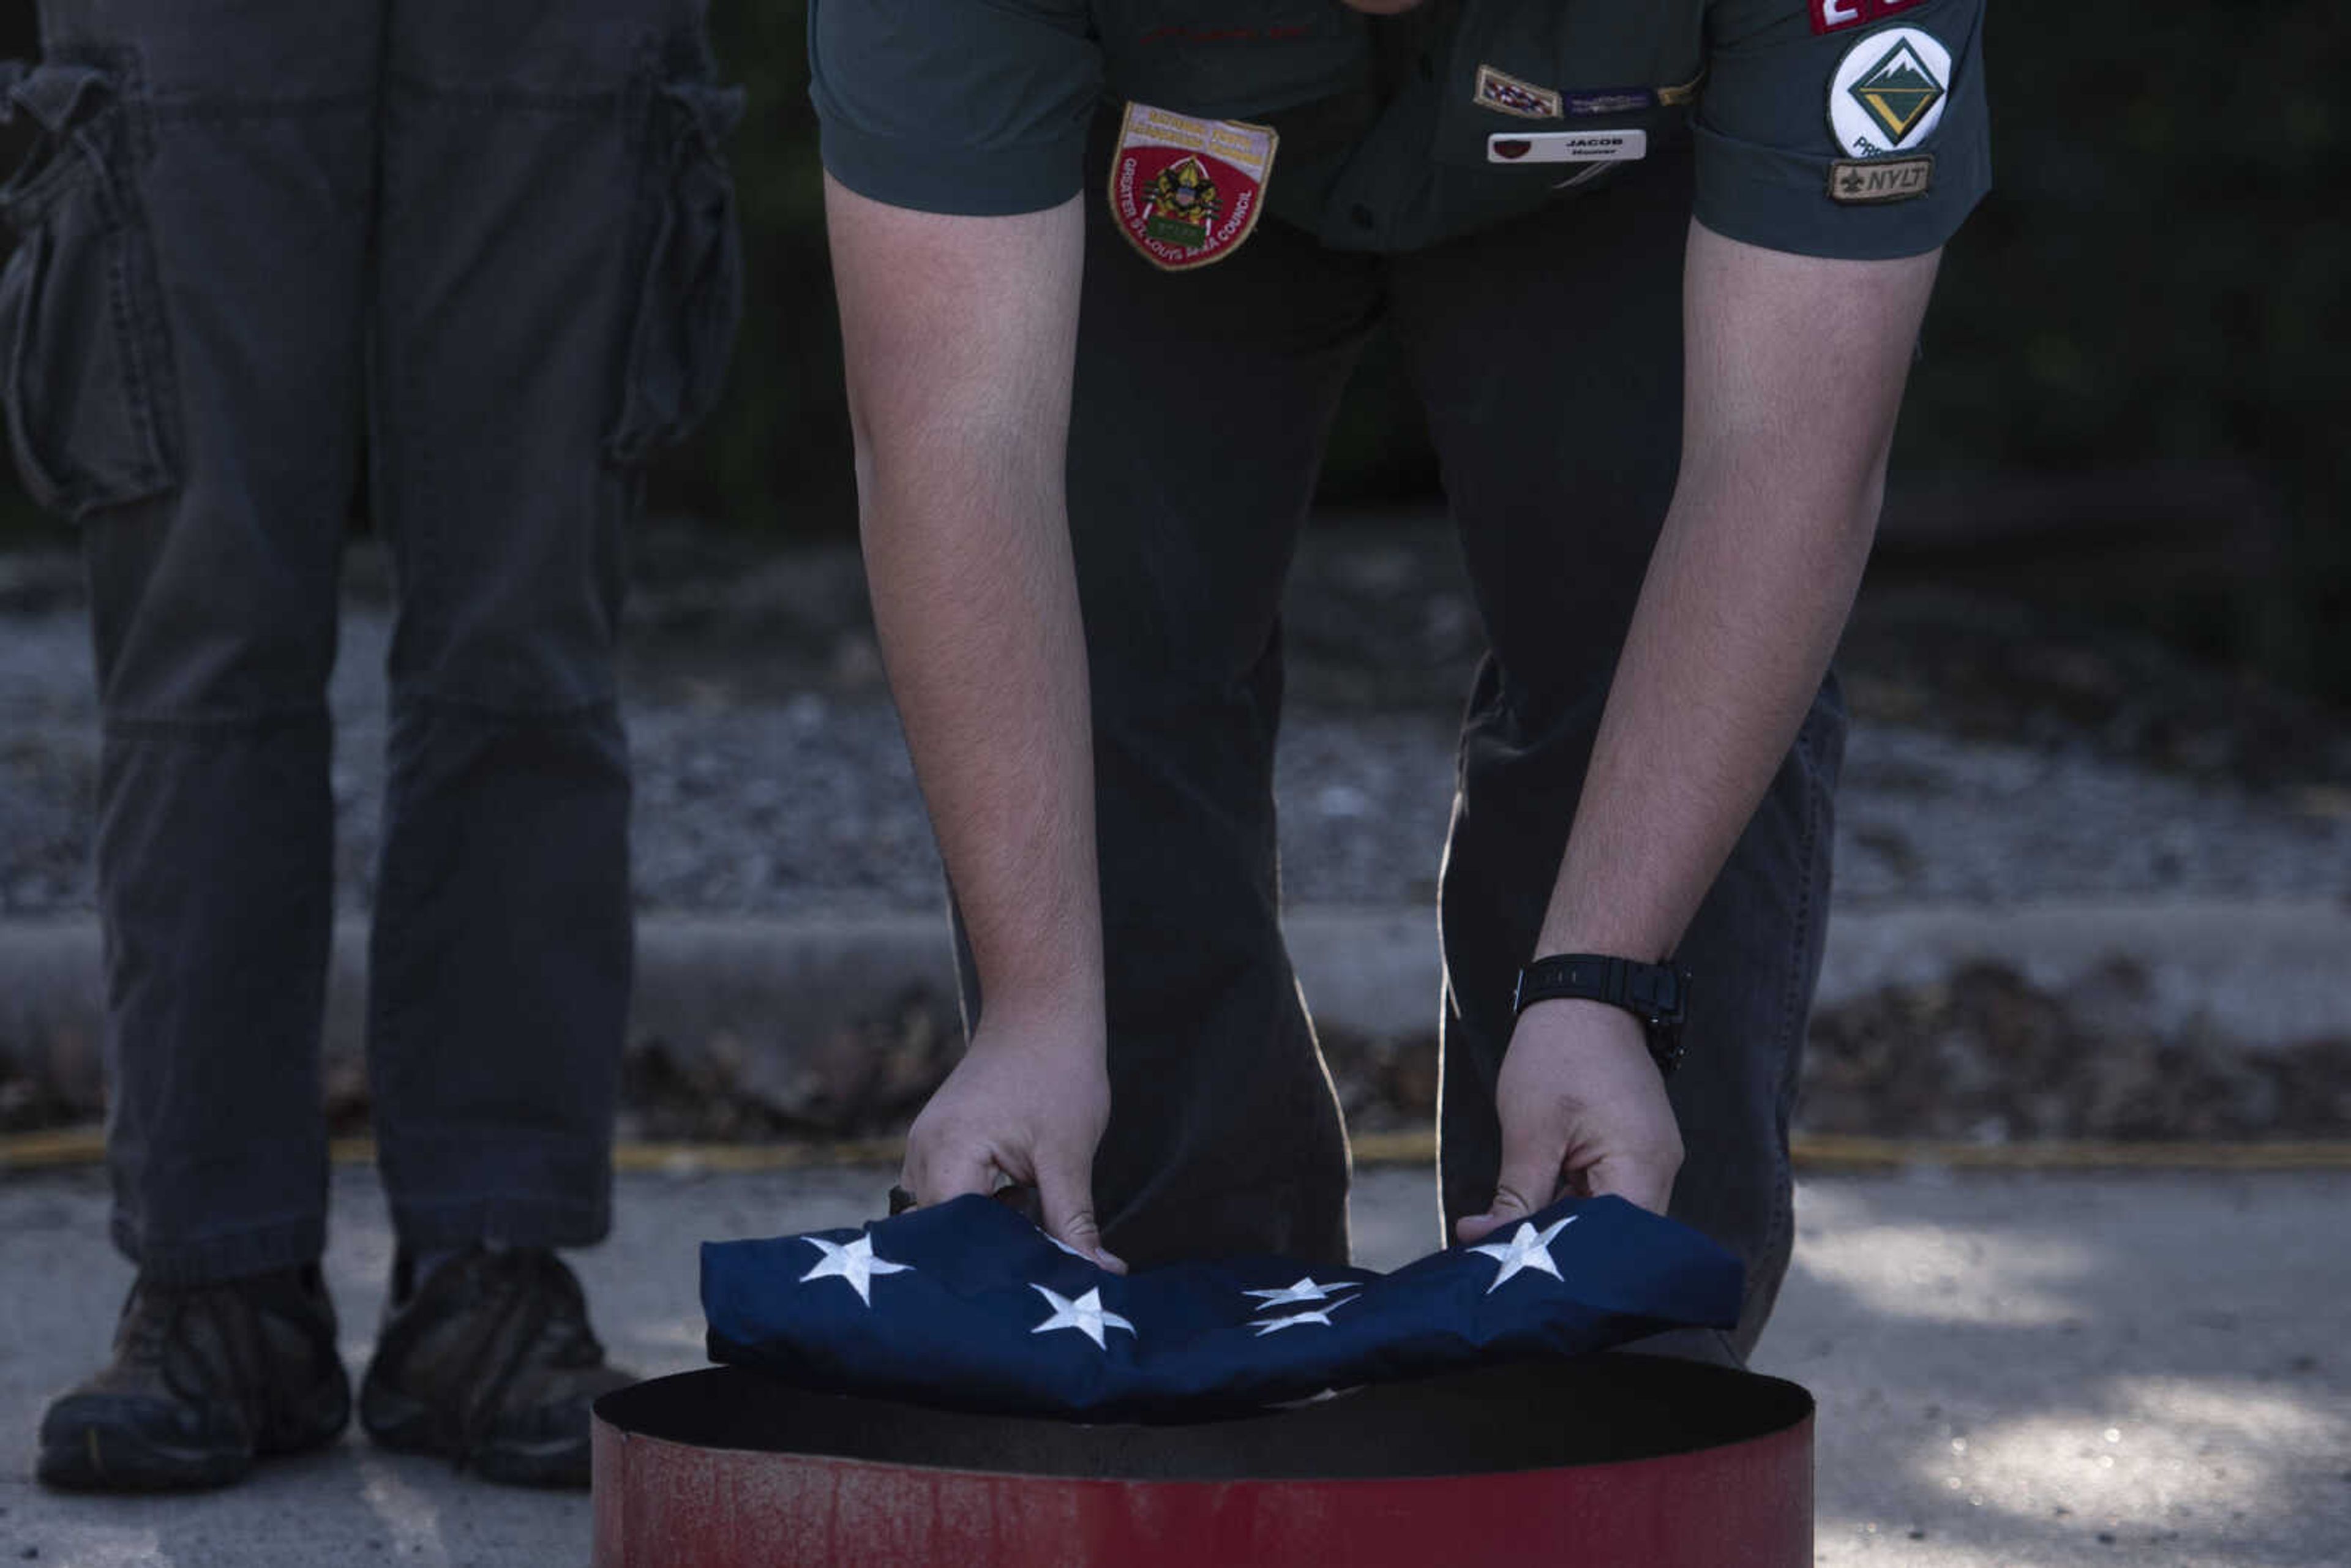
1188 192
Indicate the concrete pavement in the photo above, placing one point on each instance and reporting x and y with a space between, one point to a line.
2015 1371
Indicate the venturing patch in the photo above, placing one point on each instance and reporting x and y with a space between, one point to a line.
1888 92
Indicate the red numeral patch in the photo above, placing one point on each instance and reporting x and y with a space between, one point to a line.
1833 15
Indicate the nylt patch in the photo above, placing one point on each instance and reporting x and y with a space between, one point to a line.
1866 182
1188 192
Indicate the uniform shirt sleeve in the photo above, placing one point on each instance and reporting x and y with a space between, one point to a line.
1817 116
977 108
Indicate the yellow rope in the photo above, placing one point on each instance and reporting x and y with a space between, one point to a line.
1819 1151
63 1146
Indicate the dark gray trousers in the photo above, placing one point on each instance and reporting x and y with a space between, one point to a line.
490 247
1548 354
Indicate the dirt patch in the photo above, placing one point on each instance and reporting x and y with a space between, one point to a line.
1986 1055
868 1080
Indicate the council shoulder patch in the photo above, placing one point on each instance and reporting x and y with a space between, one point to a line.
1888 92
1506 94
1866 182
1188 192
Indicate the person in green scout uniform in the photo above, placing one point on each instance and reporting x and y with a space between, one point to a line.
1659 269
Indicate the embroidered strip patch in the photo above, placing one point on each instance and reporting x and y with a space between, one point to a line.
1613 100
1505 93
1865 181
1568 147
1188 192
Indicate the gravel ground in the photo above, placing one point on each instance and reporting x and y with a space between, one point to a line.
772 779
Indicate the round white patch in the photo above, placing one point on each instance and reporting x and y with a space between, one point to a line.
1888 92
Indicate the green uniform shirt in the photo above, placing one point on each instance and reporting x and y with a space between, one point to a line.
1836 128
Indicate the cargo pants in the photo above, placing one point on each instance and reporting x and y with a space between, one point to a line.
1547 352
463 264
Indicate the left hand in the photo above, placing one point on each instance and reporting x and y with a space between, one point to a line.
1583 1109
1026 1106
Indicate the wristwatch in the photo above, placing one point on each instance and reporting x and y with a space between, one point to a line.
1656 994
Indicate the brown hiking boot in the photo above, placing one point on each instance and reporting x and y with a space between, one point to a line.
204 1379
489 1360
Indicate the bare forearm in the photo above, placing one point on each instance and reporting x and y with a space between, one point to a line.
1751 584
959 389
1736 625
979 628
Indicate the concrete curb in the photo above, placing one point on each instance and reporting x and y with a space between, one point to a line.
763 998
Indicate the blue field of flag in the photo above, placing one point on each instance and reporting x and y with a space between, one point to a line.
967 1305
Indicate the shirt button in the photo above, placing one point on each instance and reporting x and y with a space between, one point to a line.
1362 216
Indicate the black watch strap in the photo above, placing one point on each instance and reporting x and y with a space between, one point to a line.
1656 994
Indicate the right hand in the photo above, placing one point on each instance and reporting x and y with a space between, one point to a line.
1583 1109
1026 1105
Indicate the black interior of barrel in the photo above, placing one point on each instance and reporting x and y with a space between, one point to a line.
1598 1409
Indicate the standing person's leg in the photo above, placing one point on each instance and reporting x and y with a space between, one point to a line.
545 167
1549 352
1202 401
181 327
556 286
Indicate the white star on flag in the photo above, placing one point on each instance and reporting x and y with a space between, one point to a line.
1085 1314
854 1263
1306 1290
1524 1250
1275 1325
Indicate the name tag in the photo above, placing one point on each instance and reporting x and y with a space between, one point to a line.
1568 147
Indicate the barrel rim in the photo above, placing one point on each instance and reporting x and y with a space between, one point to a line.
1784 1410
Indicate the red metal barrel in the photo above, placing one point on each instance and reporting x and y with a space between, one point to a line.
1619 1460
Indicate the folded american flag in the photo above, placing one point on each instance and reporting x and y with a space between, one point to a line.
968 1304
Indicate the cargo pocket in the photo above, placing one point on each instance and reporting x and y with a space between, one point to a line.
84 362
690 296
